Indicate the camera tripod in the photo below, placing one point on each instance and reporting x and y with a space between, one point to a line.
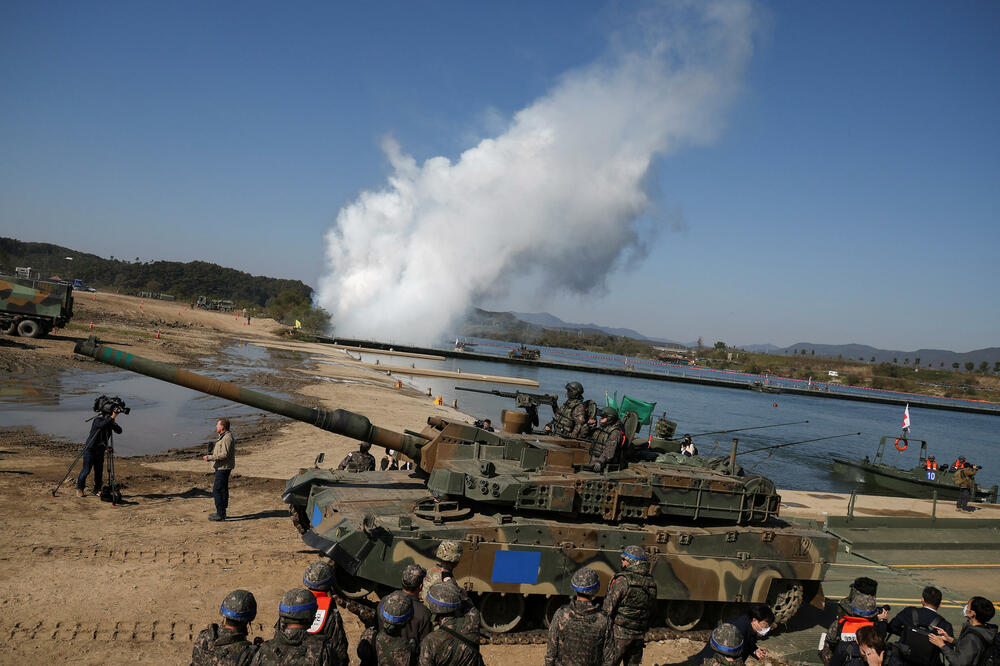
111 491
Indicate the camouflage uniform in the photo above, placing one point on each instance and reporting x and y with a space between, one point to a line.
629 605
455 639
448 554
295 646
571 418
328 623
579 630
217 646
441 648
358 461
391 646
608 440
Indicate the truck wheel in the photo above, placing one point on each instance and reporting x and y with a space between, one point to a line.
29 328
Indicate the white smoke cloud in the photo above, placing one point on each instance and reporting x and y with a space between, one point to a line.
553 201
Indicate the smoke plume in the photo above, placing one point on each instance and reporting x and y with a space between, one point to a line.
552 203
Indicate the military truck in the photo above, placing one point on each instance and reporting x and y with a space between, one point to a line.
32 308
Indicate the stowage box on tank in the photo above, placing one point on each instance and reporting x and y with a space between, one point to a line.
528 516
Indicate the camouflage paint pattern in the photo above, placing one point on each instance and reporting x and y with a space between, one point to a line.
525 513
49 303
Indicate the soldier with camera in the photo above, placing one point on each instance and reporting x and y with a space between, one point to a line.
98 441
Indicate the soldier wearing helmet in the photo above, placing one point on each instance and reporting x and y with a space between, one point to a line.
578 631
292 644
572 416
415 628
608 440
448 555
392 648
753 626
228 644
328 623
727 646
359 461
629 606
455 638
858 595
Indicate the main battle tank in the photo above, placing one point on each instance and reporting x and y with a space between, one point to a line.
529 516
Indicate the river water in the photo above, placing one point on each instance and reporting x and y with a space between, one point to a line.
166 416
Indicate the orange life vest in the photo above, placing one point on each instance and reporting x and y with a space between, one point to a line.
932 464
323 601
959 464
849 626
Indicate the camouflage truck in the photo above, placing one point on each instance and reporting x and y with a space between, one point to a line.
32 308
529 513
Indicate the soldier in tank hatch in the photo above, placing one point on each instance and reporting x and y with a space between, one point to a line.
455 638
571 418
359 461
228 644
608 440
292 644
328 623
579 630
629 605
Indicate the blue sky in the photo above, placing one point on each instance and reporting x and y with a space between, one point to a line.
845 191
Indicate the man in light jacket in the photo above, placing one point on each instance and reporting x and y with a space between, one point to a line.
223 458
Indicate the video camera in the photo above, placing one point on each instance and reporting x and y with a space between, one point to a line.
110 405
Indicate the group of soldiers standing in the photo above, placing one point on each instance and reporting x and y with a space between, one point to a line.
430 621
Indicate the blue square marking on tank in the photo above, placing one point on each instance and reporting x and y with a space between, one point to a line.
317 516
516 566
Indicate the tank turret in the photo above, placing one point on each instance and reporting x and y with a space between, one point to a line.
529 514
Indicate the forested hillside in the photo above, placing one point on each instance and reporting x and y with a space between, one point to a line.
185 281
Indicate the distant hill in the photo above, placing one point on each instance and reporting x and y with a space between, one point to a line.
855 352
183 280
548 320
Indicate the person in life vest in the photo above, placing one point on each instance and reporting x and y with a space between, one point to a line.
318 579
862 613
931 464
959 464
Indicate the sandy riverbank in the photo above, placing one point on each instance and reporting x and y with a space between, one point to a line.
88 582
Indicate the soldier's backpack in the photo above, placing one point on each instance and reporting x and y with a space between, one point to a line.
916 638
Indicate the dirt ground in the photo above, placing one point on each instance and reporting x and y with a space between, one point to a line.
87 582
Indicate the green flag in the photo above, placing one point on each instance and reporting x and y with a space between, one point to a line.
644 410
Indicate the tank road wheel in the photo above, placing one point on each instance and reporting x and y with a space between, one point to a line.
348 586
684 614
551 606
29 328
501 612
786 602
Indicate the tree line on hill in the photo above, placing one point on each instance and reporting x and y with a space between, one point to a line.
282 299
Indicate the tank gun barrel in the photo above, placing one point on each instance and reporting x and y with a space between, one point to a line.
722 432
338 421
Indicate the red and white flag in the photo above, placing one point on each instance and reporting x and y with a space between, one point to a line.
906 417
